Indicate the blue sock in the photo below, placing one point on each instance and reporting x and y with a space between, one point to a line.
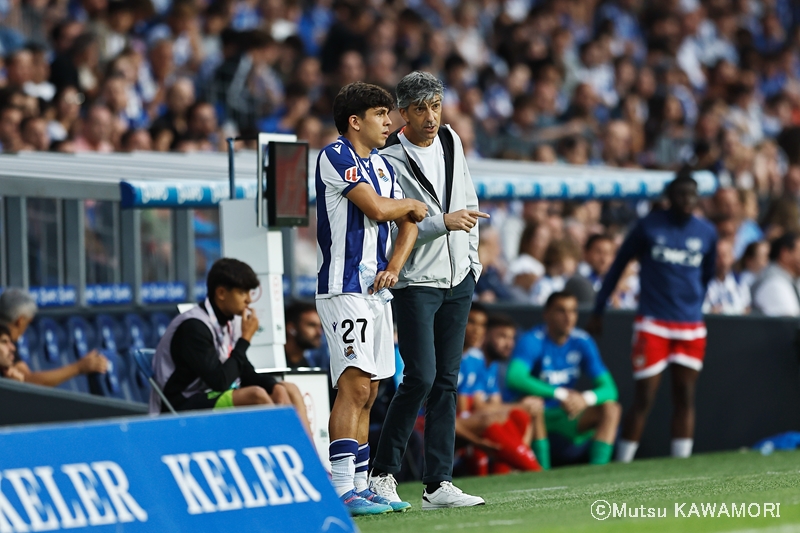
343 464
362 465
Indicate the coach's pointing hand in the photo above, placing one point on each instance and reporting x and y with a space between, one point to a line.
463 220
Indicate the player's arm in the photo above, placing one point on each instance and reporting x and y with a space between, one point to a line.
630 248
193 345
605 390
382 209
709 263
403 245
520 380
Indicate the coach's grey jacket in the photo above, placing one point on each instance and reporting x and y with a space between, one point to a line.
440 258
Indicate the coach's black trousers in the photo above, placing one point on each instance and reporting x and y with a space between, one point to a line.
430 328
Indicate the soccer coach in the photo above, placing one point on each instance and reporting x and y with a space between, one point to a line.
433 294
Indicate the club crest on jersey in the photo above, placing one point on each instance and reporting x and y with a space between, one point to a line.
351 174
350 353
694 244
382 176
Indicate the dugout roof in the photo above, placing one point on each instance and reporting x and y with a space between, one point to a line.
154 179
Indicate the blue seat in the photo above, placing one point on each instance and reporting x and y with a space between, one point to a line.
112 383
55 351
110 334
160 322
28 347
81 334
138 333
144 361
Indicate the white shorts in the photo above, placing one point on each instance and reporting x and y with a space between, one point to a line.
360 333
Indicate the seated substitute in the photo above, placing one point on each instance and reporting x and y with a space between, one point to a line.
304 347
547 362
17 310
201 361
494 428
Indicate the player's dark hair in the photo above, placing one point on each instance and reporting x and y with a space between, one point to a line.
4 330
787 241
558 295
298 309
478 308
596 237
231 274
500 320
356 99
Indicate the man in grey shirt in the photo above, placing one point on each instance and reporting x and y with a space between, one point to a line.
433 294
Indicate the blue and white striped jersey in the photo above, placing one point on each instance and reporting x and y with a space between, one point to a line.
346 237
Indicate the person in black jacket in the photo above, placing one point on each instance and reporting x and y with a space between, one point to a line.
202 358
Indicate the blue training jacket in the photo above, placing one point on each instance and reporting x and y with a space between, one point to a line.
677 261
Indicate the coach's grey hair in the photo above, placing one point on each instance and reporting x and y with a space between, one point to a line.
418 87
15 303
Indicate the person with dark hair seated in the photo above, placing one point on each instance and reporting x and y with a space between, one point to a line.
304 338
201 361
7 350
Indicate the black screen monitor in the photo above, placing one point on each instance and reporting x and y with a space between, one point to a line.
287 184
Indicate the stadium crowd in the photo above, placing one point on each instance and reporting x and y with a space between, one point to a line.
712 83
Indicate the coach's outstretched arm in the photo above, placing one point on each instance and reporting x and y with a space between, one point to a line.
382 209
403 244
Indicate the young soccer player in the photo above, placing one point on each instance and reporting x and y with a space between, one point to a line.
357 202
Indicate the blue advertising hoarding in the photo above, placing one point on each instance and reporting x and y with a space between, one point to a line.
210 472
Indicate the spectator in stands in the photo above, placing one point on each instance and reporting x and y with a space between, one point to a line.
304 337
174 122
726 295
7 356
17 310
66 112
775 292
34 134
98 131
201 360
526 269
203 127
560 264
753 262
10 120
547 362
598 254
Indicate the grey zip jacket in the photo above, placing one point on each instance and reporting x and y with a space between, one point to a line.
440 259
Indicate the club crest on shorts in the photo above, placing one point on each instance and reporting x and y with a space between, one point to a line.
350 353
638 361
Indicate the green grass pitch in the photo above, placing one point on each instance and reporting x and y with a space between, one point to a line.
560 500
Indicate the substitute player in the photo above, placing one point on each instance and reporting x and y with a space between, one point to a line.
547 362
677 252
357 199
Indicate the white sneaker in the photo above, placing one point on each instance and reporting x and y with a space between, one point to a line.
384 485
448 495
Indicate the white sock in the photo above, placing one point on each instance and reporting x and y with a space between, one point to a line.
360 481
682 448
626 449
342 474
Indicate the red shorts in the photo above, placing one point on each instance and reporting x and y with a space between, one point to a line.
657 343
